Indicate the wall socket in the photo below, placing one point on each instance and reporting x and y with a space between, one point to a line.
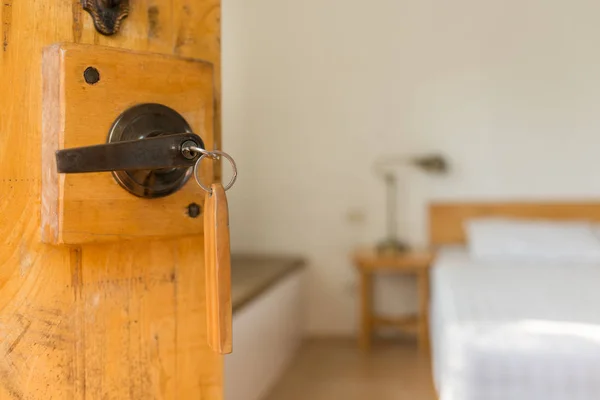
356 216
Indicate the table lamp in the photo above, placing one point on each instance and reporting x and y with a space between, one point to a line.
432 164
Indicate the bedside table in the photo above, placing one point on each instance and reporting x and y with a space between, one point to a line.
415 263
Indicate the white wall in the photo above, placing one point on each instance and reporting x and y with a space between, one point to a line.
316 90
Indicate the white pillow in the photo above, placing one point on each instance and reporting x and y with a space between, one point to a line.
533 240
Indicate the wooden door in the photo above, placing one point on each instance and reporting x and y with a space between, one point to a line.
115 320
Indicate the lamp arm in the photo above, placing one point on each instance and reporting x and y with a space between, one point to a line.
432 163
380 165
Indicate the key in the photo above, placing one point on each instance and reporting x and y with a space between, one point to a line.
218 270
216 252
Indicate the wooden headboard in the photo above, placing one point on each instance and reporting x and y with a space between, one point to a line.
446 220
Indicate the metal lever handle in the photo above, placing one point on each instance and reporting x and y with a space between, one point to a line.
168 151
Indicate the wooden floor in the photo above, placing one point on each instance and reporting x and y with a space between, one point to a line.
336 369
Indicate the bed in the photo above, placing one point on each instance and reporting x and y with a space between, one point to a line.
512 330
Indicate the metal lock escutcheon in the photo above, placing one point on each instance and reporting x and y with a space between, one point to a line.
147 151
107 14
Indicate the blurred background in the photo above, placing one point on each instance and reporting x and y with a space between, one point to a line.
315 92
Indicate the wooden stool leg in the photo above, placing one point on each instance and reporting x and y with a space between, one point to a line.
366 297
424 311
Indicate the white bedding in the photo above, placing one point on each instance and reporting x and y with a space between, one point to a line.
515 332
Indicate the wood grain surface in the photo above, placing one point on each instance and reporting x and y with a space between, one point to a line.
218 270
125 320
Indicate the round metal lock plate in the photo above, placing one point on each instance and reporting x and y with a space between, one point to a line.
145 121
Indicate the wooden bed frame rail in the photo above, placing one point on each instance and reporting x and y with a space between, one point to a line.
446 220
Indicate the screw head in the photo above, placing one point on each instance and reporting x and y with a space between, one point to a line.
194 210
91 75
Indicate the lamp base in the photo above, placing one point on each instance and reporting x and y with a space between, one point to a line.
392 246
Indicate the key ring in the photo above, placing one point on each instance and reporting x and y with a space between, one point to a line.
214 155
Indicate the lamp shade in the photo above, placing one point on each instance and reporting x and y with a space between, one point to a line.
433 164
429 163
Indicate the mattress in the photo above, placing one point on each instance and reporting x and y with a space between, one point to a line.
515 331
